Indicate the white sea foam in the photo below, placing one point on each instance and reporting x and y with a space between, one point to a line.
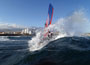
3 38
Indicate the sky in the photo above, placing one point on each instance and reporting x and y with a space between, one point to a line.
34 12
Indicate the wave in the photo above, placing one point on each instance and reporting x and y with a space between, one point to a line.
64 51
74 25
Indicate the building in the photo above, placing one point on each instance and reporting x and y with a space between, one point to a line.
26 31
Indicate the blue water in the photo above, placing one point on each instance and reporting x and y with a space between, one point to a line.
63 51
13 49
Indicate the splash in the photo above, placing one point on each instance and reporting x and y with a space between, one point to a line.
34 42
73 25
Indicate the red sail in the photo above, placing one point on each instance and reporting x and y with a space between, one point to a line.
50 16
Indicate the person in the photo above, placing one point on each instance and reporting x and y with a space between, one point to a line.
50 34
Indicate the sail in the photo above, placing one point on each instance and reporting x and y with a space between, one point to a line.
50 13
50 16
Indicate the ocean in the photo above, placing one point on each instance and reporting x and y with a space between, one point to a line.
68 47
62 51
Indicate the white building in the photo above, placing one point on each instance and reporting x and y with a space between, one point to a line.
26 31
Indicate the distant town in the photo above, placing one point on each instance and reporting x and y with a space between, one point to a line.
25 31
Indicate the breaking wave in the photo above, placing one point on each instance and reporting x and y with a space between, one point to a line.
74 25
63 51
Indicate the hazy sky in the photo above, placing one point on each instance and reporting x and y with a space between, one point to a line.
34 12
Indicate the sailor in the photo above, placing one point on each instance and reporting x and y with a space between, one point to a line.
50 34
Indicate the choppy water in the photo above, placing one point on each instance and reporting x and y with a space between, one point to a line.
63 51
13 49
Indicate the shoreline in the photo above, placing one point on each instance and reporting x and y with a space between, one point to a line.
17 34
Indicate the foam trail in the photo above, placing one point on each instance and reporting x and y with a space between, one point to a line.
73 25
